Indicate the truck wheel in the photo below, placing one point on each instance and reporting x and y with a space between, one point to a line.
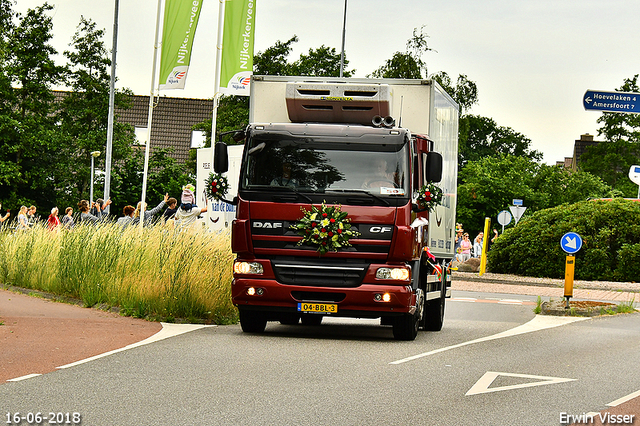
311 319
434 314
405 327
252 322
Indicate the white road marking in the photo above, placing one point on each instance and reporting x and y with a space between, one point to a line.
168 330
624 399
463 299
539 322
482 385
28 376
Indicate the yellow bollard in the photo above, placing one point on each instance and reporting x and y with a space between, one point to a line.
568 278
485 244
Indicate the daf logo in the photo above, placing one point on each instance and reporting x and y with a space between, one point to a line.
267 225
380 229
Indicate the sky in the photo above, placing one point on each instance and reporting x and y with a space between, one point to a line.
531 60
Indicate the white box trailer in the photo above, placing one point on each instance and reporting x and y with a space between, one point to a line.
421 106
220 214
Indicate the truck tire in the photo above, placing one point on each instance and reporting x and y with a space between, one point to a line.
252 322
434 312
406 326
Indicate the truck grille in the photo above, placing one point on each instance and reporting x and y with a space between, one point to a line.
319 274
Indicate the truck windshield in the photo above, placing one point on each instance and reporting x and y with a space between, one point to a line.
310 165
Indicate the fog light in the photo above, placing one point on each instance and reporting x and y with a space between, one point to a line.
252 291
401 274
247 268
382 297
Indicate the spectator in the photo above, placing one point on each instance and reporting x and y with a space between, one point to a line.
23 222
32 218
5 217
188 212
477 245
53 222
128 217
170 212
87 217
67 219
465 248
148 214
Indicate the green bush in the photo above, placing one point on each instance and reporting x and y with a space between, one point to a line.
610 231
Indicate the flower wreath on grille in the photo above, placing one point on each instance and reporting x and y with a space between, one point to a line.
327 227
429 196
216 186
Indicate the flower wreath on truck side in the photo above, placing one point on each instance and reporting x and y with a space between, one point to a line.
216 186
327 227
429 197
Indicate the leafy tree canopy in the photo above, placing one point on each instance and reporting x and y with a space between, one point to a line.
489 185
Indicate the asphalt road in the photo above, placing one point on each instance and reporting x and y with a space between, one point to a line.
352 372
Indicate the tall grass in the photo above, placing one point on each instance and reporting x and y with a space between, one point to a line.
157 273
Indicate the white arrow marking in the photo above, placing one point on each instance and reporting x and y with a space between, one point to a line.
539 322
588 100
482 385
571 243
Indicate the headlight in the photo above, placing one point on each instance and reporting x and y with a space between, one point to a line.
401 274
247 268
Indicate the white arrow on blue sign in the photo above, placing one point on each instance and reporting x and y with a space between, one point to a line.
626 102
571 242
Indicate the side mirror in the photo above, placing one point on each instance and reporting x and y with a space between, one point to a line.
433 167
220 158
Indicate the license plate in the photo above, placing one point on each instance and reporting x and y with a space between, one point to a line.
322 308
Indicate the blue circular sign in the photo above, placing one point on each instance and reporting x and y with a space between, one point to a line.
571 242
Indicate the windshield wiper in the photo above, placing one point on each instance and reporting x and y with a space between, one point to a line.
290 189
358 191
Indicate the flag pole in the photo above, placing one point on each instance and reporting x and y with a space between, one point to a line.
150 116
216 87
107 166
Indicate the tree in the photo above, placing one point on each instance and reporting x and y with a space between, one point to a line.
407 64
480 137
83 113
27 152
465 92
489 185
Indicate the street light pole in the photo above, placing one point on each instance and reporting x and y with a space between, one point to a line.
94 154
344 33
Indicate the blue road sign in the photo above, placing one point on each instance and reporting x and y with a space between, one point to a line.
571 242
626 102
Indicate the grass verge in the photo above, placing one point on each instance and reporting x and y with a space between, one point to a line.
157 273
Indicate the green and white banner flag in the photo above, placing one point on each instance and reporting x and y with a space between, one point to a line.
179 29
237 47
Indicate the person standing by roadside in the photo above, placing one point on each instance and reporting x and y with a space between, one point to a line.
23 223
148 214
477 245
5 217
188 212
53 223
170 212
87 217
465 248
32 218
128 217
67 219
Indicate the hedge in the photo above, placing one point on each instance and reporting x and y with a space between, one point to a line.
610 230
